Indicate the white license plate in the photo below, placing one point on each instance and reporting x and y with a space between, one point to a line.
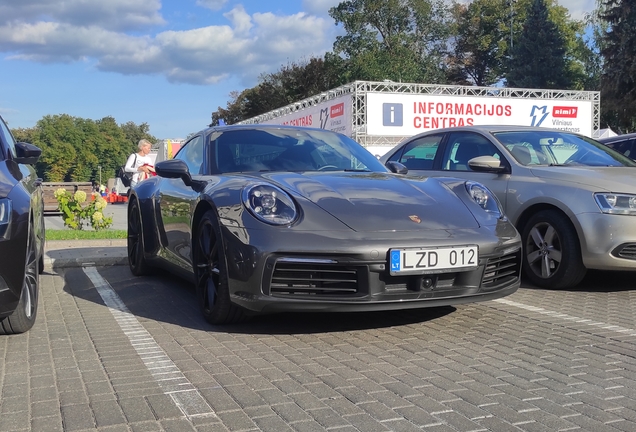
431 260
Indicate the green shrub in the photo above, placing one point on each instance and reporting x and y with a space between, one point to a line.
77 212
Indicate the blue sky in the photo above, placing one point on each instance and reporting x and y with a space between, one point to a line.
167 63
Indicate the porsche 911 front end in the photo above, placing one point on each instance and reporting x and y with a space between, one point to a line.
336 243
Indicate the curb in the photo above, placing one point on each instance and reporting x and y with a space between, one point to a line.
78 253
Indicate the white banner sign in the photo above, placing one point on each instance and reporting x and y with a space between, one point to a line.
333 115
409 114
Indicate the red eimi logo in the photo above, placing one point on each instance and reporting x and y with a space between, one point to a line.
564 112
337 110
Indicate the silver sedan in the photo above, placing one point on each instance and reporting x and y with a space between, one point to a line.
572 199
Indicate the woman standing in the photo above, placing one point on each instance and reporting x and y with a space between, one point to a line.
140 163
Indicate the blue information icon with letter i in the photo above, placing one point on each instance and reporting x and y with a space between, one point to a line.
395 260
392 114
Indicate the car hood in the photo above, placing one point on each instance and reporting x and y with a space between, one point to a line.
601 179
379 201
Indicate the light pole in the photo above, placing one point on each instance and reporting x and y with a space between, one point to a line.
100 175
512 15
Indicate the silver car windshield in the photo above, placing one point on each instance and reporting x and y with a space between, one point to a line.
556 148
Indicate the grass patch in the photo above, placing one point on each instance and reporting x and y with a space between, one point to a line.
69 234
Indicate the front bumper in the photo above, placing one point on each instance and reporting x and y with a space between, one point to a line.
608 241
323 273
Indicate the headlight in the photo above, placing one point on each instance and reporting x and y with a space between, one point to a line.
5 215
269 204
484 198
616 203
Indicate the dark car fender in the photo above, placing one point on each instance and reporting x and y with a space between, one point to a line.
145 194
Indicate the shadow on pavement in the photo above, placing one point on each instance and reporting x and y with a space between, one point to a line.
168 299
597 281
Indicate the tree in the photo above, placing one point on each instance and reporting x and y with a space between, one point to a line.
293 82
74 148
399 40
618 80
481 42
538 56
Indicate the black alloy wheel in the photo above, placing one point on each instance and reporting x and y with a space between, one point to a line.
211 275
552 254
136 258
23 318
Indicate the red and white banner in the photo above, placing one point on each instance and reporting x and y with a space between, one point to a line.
333 115
409 114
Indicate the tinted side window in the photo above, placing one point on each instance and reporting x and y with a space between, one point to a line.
463 146
626 147
192 154
420 153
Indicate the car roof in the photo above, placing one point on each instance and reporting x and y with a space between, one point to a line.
495 128
617 138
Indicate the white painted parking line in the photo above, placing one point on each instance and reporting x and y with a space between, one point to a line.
578 320
178 387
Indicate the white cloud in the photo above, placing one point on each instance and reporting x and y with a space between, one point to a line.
119 15
246 47
578 8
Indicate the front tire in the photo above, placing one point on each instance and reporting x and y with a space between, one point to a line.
552 252
23 318
136 258
211 274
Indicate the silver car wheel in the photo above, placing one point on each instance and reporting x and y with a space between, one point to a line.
552 254
547 249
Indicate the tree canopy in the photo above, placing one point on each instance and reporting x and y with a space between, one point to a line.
618 80
74 148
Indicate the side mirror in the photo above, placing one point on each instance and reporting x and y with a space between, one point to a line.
176 168
27 153
486 164
396 167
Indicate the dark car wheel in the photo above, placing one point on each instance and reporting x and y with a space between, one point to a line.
210 274
136 258
552 254
23 318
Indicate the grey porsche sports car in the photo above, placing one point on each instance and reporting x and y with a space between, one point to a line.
572 199
273 218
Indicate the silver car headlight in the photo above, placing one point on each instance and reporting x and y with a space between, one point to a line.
484 198
612 203
5 215
269 204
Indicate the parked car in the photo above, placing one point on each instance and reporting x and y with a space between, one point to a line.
572 199
625 144
274 218
21 233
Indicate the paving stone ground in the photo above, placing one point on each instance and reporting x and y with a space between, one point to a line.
134 354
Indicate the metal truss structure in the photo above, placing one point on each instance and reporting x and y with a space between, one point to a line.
360 89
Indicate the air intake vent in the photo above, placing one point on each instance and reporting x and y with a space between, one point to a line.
501 270
314 279
628 251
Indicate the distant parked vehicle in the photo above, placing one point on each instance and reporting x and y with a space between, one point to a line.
572 199
21 233
625 144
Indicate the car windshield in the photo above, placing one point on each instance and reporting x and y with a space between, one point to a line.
281 149
556 148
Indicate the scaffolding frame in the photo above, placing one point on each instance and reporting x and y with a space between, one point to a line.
359 90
